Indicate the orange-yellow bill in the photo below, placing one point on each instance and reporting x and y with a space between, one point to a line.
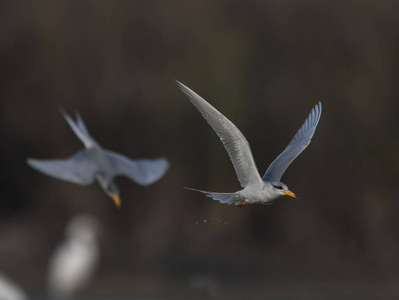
117 200
289 193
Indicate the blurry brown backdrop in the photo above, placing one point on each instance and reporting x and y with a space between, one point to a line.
264 64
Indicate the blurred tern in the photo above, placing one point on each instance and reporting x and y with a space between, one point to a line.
255 189
94 162
75 260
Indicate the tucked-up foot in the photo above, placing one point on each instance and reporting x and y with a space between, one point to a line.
242 204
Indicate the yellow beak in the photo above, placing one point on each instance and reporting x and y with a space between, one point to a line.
289 193
117 200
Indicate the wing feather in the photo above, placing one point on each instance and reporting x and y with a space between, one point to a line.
233 140
77 169
142 171
300 141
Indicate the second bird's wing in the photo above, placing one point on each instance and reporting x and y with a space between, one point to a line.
141 171
300 141
77 169
233 140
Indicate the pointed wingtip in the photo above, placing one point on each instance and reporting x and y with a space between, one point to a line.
182 87
65 115
196 190
62 111
318 106
32 162
78 115
190 189
166 162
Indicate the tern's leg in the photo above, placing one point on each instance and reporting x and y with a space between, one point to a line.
242 203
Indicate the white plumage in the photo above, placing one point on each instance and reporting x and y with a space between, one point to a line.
9 290
75 260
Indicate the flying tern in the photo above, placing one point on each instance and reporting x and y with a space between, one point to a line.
96 163
256 189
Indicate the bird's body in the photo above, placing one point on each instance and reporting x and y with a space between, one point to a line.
75 259
262 192
256 189
73 267
10 290
258 193
96 163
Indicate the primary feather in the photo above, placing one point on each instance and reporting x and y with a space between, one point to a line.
233 140
300 141
79 168
142 171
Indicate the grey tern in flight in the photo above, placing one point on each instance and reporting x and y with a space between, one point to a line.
96 163
256 189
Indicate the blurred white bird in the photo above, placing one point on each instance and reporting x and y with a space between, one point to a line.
96 163
75 259
9 290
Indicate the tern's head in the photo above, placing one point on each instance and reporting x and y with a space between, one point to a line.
280 189
109 187
113 191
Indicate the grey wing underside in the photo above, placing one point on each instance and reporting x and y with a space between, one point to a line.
233 140
76 169
225 198
300 141
141 171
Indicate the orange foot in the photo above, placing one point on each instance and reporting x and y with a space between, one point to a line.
242 204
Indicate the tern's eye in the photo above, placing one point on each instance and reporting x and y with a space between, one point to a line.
279 187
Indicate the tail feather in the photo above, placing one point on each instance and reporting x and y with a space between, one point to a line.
228 198
78 128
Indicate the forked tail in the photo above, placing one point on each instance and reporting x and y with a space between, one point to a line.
79 128
228 198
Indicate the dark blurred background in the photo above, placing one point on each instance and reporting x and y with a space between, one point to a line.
264 64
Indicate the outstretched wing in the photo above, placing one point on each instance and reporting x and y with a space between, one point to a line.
235 143
300 141
77 169
142 171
